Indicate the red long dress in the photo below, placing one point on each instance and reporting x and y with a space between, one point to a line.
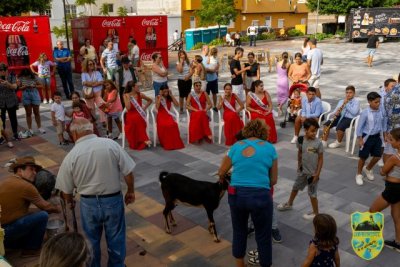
135 127
233 123
167 129
199 126
269 119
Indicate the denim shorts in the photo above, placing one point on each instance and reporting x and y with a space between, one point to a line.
44 80
114 115
371 52
31 97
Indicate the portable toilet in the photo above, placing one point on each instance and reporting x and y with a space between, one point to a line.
223 30
214 32
189 38
205 35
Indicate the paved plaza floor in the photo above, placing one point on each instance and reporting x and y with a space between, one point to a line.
190 244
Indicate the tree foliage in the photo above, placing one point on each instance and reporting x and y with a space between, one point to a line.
219 12
122 11
342 7
86 4
104 10
16 7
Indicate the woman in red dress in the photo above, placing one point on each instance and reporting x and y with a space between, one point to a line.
199 103
259 104
232 122
167 126
135 118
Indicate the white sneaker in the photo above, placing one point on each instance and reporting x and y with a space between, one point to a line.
335 144
309 216
120 136
30 132
284 206
368 173
324 143
294 139
359 179
42 131
45 101
50 101
23 135
380 163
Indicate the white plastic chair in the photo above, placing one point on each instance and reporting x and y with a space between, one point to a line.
221 124
153 113
355 134
123 124
211 114
326 108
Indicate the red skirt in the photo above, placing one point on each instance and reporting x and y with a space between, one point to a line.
135 130
199 127
269 120
168 132
233 125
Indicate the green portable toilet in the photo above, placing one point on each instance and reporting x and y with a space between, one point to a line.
205 35
189 38
214 32
224 30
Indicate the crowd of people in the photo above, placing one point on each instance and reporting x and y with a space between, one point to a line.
251 154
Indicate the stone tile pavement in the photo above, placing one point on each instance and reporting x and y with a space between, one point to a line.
190 244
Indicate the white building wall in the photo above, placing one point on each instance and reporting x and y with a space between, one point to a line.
151 7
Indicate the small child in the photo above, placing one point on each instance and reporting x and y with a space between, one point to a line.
58 118
77 111
370 131
114 106
199 71
323 248
295 102
310 160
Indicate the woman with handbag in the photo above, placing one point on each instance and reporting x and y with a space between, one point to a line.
92 82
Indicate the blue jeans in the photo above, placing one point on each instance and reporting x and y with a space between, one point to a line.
66 80
26 232
253 39
157 86
257 203
107 213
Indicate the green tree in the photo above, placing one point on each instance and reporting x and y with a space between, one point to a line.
60 31
219 12
16 7
104 10
122 11
342 7
86 4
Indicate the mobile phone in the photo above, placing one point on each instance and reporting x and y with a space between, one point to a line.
310 179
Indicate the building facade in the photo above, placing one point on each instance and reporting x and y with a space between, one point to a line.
272 13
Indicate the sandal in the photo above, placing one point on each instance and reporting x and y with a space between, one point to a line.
253 253
253 261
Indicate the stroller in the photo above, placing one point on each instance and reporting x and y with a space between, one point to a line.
303 89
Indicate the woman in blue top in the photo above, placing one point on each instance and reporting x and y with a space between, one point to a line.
255 171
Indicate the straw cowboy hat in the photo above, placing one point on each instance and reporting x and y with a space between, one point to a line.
24 161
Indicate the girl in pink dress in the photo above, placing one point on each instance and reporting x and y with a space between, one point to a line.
282 85
113 106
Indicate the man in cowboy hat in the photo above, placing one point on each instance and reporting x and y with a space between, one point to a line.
24 229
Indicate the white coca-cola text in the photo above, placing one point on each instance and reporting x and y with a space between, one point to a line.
18 26
150 22
111 23
147 57
18 51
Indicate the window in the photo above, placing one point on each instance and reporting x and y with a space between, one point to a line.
255 22
231 24
110 7
281 23
303 21
268 21
192 22
70 10
47 12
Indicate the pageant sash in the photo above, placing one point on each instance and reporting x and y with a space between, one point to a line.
228 105
258 101
164 104
139 109
196 98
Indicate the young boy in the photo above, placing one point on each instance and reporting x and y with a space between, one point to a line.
370 134
310 160
311 107
58 118
350 108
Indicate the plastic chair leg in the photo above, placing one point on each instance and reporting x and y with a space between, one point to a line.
220 135
348 138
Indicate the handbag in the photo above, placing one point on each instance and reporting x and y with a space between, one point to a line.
88 92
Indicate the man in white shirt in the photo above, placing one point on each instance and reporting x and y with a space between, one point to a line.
229 39
135 53
252 34
175 36
315 60
108 61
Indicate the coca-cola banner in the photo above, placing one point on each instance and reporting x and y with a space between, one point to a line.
22 39
150 33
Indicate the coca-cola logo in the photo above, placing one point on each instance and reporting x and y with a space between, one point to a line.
150 22
18 26
18 51
148 57
111 23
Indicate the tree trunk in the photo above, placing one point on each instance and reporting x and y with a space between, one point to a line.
219 31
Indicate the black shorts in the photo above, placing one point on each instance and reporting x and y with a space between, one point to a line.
342 125
392 192
212 87
184 87
372 147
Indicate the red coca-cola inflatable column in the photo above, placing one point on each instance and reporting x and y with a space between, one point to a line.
150 33
22 39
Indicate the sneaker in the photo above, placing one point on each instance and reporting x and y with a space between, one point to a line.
253 261
253 253
276 235
45 101
23 135
120 136
284 206
392 244
359 179
30 132
368 173
380 163
309 216
294 139
42 131
324 143
50 101
335 144
10 144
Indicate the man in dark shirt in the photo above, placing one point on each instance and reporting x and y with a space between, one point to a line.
372 45
237 73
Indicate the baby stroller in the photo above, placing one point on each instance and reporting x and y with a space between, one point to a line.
303 89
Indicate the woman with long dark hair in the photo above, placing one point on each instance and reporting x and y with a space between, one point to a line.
185 73
282 84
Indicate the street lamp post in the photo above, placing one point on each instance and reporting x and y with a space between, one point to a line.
316 26
66 24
